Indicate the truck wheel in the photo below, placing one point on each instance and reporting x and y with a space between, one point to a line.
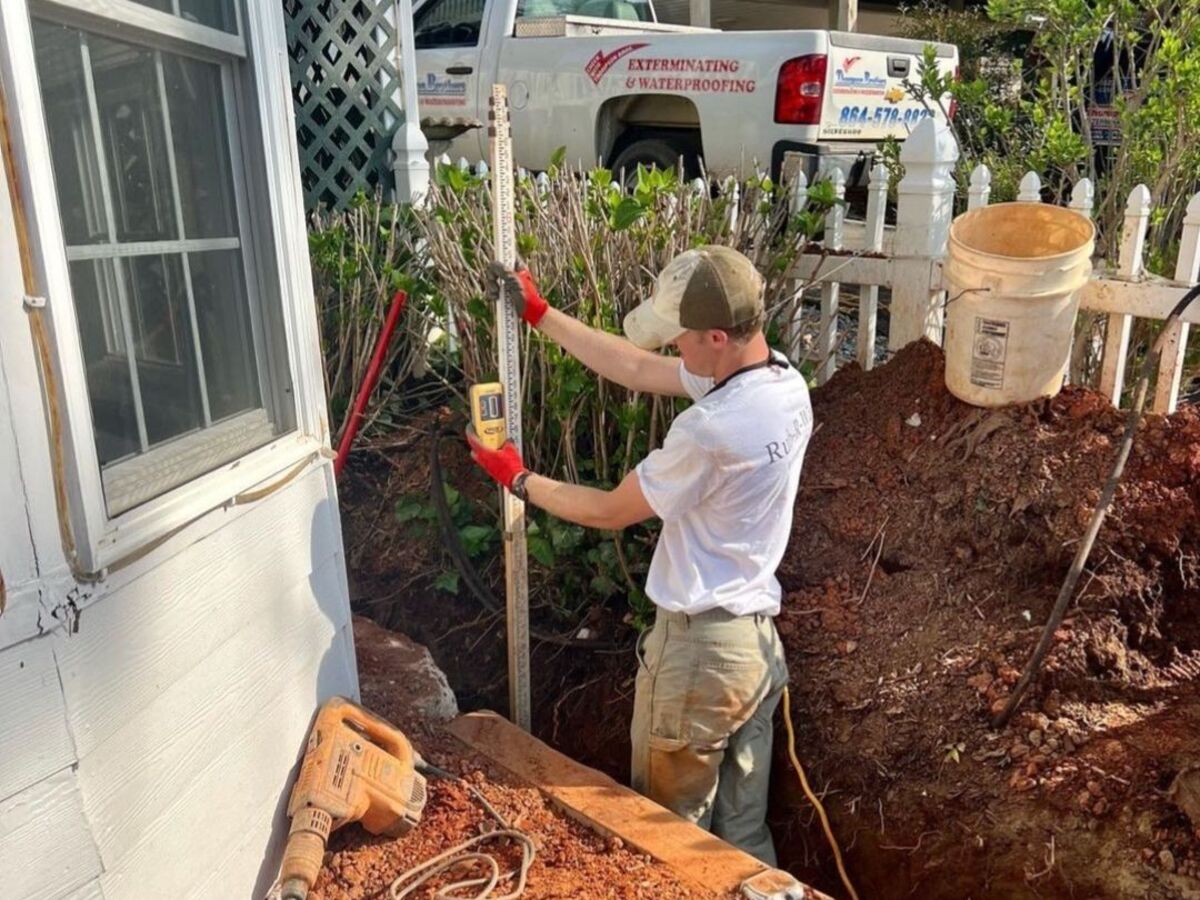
658 153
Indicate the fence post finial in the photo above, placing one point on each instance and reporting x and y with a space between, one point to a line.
924 210
1082 196
1031 188
980 189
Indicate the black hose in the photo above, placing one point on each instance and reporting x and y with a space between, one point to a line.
1067 591
462 563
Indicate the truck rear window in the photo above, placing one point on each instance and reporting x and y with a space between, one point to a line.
625 10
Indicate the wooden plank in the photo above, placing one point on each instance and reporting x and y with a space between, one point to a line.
17 560
508 352
1146 300
46 848
157 752
34 742
174 616
855 236
200 826
845 268
697 857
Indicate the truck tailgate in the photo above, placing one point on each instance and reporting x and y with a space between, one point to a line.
865 98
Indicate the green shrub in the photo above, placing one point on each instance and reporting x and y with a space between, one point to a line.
595 251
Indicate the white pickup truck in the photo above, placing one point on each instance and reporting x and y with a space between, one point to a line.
612 85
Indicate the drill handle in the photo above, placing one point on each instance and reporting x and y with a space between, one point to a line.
379 731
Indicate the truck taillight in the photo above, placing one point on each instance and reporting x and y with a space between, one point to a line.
799 90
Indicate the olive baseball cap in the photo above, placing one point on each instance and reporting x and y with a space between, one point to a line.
708 287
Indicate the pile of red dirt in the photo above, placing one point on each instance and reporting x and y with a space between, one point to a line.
571 860
929 543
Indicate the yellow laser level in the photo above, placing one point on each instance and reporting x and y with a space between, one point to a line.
487 414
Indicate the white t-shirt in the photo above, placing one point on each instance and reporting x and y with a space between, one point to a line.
724 484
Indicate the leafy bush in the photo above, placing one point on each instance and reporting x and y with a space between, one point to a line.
1030 87
595 250
358 259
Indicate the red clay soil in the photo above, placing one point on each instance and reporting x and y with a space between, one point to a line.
929 543
572 861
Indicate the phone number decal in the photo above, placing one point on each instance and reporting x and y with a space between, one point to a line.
881 115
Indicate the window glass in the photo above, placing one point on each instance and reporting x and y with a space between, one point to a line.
206 190
448 23
173 341
213 13
625 10
225 331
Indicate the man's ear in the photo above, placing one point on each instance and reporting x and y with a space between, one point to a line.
717 338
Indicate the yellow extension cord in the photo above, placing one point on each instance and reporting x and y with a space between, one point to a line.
812 798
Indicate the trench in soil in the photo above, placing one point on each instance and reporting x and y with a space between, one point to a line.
962 522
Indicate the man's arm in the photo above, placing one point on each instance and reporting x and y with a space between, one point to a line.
613 357
606 354
592 508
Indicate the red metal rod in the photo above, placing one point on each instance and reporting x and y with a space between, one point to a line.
369 382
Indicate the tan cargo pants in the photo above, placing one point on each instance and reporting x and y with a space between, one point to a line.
707 688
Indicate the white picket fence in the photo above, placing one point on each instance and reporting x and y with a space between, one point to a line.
910 255
907 260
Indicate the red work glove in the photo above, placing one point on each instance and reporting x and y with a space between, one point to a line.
503 465
519 290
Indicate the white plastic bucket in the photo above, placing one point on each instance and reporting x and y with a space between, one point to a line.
1013 274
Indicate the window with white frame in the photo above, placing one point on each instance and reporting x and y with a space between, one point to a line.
178 318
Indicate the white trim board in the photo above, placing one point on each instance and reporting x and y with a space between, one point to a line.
137 17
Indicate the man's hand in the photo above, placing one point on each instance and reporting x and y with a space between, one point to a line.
503 465
519 290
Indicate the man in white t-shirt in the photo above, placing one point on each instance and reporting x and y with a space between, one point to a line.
711 670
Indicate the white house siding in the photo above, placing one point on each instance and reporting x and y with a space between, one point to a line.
150 723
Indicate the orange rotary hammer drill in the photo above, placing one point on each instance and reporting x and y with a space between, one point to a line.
357 768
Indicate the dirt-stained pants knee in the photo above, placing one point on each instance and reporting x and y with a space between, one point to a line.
707 688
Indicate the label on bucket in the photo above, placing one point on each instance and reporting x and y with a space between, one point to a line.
988 353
